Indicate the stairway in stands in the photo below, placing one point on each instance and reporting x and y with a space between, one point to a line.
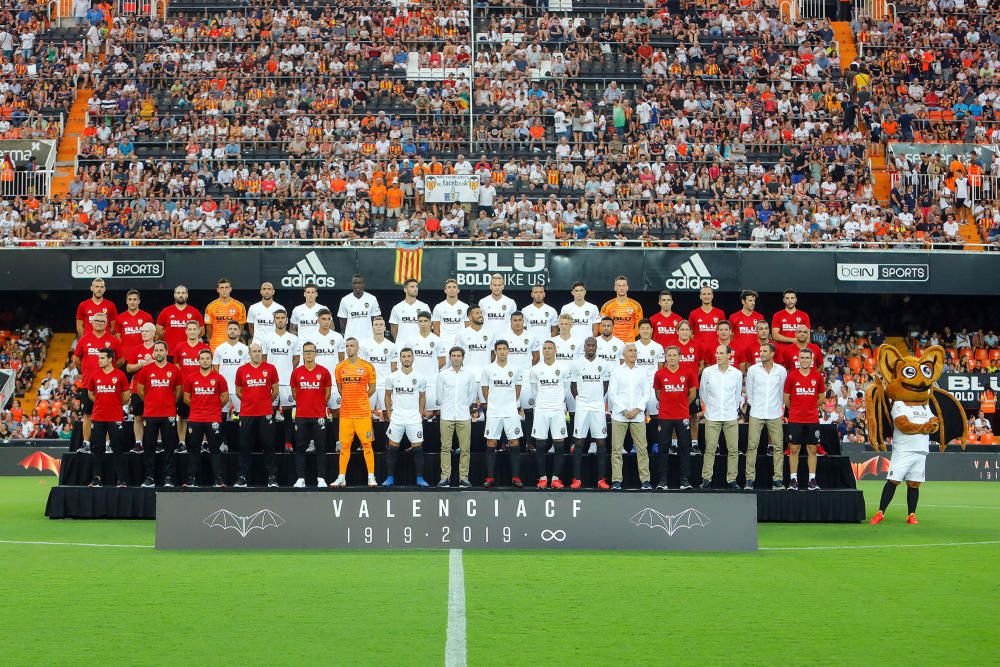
883 182
969 231
845 39
75 125
55 361
899 343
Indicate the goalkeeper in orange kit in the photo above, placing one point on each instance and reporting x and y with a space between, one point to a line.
625 312
355 380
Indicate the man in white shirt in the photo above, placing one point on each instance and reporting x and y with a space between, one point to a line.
610 348
403 317
477 344
226 360
281 350
357 310
649 355
404 404
628 395
381 353
548 381
497 307
540 319
449 316
458 390
260 316
305 316
584 315
589 377
428 359
721 389
765 388
568 349
329 352
501 387
522 354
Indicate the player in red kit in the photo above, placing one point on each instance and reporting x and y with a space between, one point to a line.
675 388
687 348
129 322
789 354
171 323
665 322
311 386
159 386
94 305
137 358
187 356
108 391
85 359
705 318
205 392
785 322
257 387
724 336
804 393
745 321
749 354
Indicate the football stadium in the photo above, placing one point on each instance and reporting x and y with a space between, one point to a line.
488 331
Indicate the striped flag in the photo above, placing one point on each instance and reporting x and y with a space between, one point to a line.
409 261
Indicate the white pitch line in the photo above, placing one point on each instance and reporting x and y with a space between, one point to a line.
80 544
966 507
879 546
454 648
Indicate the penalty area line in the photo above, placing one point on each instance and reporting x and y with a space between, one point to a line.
78 544
879 546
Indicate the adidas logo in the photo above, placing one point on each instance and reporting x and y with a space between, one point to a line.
692 275
309 270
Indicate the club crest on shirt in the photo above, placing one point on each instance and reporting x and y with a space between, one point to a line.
557 371
413 381
510 374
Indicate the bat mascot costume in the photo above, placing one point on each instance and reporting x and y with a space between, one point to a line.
906 407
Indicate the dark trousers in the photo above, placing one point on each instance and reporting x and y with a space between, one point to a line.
166 429
257 429
314 430
670 429
107 431
198 432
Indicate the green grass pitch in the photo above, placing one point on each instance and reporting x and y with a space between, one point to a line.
822 604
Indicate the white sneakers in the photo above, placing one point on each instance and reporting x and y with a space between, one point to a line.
299 484
340 481
320 482
371 480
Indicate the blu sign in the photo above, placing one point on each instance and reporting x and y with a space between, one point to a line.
882 272
519 269
365 519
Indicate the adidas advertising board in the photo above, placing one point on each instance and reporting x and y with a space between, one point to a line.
308 270
692 275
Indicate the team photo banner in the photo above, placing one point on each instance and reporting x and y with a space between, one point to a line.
448 189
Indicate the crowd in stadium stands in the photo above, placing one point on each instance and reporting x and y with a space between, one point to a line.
24 351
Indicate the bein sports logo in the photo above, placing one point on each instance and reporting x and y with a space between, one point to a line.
92 269
692 275
670 523
855 273
227 520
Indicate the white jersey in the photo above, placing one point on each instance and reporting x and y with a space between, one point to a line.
501 382
917 414
610 351
262 319
406 389
590 377
358 311
280 352
584 318
567 350
496 313
404 316
426 352
477 346
305 318
452 318
229 358
540 321
521 349
381 355
548 383
329 348
649 357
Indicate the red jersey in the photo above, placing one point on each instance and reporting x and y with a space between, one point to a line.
161 386
89 307
745 328
673 388
706 353
132 356
786 322
256 383
310 391
665 328
788 356
749 354
129 327
704 324
206 396
689 356
174 322
804 392
108 389
87 348
186 357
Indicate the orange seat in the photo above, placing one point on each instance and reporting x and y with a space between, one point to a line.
855 364
870 363
965 353
951 352
917 350
987 439
995 353
982 353
970 363
862 341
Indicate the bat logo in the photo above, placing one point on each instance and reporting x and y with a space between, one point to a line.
873 466
670 523
41 461
243 524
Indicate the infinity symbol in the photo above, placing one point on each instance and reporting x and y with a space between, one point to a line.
557 535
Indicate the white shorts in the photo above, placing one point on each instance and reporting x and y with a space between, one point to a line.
430 397
908 466
590 422
334 402
509 426
527 399
285 399
548 424
414 432
377 400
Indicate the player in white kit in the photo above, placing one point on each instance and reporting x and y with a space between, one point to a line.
589 379
381 353
449 316
281 351
496 307
329 352
568 348
403 318
477 344
405 393
610 348
305 316
584 314
260 316
357 310
912 425
540 319
227 358
501 385
522 354
548 380
649 356
428 359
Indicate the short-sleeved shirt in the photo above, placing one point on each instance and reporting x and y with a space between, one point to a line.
87 348
108 389
174 322
496 313
786 322
255 383
589 377
205 392
910 442
788 356
358 311
502 383
354 379
540 321
665 328
310 391
584 318
745 328
626 316
451 318
404 316
129 327
262 319
705 325
406 389
218 315
186 357
88 308
803 396
674 387
160 398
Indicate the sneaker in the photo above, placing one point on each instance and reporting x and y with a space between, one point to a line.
223 448
557 483
673 448
793 485
389 481
288 448
770 450
84 448
122 485
219 484
422 483
137 449
820 450
371 482
813 485
646 486
272 482
777 485
464 484
241 482
575 484
878 518
204 448
168 482
488 483
603 485
299 484
109 450
662 486
733 486
311 448
160 449
516 482
706 484
340 482
443 484
190 484
592 449
912 520
685 485
321 483
749 485
96 482
181 448
542 483
695 449
616 486
148 483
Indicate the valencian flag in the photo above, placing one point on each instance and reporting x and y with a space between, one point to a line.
409 261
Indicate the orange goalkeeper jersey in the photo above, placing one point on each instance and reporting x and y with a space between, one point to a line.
626 316
353 380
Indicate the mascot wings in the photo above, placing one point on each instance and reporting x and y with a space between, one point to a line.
912 379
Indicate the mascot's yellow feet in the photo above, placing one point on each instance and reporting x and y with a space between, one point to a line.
878 518
912 519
